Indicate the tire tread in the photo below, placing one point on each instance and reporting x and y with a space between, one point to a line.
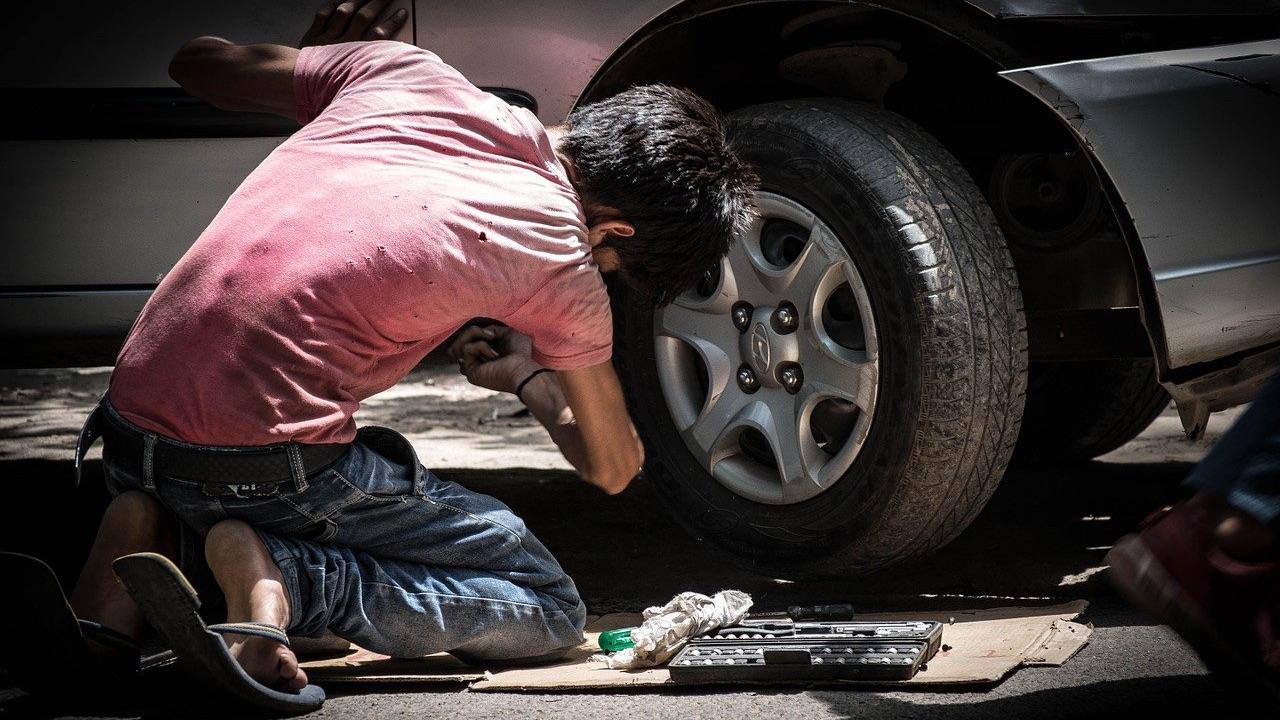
984 296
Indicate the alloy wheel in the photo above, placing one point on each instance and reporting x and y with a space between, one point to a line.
770 366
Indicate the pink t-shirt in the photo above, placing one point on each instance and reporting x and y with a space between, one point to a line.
408 203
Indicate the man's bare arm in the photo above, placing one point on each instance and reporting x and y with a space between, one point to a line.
545 400
586 416
582 410
259 78
245 78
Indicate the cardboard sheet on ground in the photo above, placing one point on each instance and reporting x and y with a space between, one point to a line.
982 646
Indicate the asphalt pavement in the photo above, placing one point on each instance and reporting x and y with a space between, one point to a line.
1040 541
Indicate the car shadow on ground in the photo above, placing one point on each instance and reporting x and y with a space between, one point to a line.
1041 539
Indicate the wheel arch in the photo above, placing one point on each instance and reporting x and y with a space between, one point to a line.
939 67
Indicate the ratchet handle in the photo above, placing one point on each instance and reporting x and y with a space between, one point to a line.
840 611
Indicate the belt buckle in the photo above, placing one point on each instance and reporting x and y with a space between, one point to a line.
249 491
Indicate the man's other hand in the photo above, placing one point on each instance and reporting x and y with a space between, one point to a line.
342 21
494 357
583 409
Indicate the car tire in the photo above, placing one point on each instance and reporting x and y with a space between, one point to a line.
952 349
1077 411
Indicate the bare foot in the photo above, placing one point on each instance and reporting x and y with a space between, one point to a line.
268 662
133 522
255 592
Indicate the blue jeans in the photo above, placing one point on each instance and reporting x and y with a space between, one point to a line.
1244 467
385 554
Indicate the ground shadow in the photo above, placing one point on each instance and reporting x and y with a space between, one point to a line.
1167 696
1041 539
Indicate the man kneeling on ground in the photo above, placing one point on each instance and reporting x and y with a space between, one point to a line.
408 203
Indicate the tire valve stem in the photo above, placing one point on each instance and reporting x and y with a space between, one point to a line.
791 377
742 315
785 318
747 380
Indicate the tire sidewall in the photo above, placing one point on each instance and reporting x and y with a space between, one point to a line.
794 163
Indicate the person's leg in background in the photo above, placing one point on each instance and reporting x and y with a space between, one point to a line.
1210 567
1243 473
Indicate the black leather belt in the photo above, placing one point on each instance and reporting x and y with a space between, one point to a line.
127 446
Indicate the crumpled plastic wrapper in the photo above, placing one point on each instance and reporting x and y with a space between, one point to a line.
666 629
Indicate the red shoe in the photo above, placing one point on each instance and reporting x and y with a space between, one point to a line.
1227 610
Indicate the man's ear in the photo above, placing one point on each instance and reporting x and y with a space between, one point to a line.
603 229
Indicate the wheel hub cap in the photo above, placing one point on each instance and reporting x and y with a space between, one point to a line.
771 378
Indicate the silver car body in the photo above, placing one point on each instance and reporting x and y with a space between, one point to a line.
1184 140
1188 139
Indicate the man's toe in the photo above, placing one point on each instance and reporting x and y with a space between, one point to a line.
291 675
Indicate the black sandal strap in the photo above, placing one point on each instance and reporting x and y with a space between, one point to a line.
104 635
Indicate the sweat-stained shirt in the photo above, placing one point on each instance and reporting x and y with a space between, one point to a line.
408 203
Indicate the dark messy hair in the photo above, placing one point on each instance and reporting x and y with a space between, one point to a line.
658 155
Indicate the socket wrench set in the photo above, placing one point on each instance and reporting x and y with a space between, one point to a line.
772 650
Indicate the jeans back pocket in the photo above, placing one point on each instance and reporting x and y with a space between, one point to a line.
383 464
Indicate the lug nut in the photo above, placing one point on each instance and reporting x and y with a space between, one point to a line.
786 318
747 380
791 377
742 316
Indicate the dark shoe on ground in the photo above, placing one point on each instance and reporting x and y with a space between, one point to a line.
46 648
1227 610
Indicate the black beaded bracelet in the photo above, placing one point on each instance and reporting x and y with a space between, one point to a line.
532 375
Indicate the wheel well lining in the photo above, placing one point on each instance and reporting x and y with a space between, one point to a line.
951 88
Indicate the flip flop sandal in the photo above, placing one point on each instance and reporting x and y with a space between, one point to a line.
44 641
169 603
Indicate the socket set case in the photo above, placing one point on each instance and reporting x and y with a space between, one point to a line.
771 650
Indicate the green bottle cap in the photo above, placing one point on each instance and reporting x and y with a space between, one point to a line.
615 640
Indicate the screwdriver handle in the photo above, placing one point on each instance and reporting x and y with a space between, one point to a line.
615 640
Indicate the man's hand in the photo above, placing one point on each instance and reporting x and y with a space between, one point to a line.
494 357
342 21
583 410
